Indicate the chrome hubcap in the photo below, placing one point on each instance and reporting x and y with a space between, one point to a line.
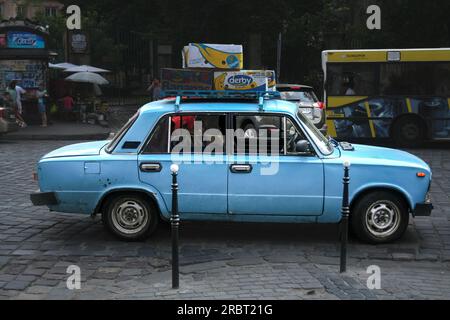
129 217
410 131
382 218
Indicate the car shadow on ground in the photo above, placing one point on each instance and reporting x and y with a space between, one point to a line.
239 234
268 232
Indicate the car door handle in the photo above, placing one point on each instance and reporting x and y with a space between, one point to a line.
150 167
241 168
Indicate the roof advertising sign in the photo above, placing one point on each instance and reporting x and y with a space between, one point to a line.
25 40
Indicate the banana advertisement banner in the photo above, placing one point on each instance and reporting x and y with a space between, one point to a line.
247 80
183 79
215 56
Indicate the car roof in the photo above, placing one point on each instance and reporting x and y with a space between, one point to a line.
288 85
201 105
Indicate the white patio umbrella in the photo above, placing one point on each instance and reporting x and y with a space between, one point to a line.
62 65
85 68
87 77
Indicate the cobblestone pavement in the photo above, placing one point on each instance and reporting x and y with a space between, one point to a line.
218 260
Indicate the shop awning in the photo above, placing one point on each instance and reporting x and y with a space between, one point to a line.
88 77
85 68
62 65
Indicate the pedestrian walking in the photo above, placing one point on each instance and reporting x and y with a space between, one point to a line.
17 106
41 95
155 89
6 101
20 91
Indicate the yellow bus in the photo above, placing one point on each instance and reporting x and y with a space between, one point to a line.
402 94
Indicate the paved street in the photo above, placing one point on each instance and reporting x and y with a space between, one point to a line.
218 260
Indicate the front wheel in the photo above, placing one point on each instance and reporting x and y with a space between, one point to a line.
130 217
379 217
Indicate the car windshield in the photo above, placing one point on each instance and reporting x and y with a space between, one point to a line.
300 96
118 136
319 139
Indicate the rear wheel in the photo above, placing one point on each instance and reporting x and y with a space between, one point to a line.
408 131
130 217
379 217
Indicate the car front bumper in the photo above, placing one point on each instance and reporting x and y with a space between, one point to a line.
43 198
423 210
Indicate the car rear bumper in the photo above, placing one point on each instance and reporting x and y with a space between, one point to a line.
423 210
43 198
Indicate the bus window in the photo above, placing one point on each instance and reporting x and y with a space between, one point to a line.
415 79
351 79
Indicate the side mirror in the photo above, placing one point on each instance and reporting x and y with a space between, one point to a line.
303 146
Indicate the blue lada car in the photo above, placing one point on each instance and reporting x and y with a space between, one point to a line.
286 172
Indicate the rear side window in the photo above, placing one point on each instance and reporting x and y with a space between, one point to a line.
198 133
188 134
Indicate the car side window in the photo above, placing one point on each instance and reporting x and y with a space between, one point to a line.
266 135
293 135
255 134
198 133
159 139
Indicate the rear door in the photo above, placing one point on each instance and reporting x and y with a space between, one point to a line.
202 177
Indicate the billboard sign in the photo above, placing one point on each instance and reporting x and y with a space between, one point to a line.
25 40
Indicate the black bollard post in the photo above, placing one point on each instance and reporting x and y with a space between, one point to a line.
175 222
345 217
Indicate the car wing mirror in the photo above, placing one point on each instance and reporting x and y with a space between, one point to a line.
303 146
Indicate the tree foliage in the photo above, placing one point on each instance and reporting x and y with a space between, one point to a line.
307 26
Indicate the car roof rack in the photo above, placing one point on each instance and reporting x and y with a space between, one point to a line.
260 96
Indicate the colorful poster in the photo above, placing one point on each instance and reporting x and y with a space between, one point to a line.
29 73
25 40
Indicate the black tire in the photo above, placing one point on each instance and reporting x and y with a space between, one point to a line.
408 132
322 121
122 210
374 209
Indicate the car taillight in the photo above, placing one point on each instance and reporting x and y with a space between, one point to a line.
35 176
321 105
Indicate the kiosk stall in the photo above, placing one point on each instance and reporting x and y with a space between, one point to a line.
24 57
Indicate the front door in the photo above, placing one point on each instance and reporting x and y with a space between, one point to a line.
202 176
267 176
